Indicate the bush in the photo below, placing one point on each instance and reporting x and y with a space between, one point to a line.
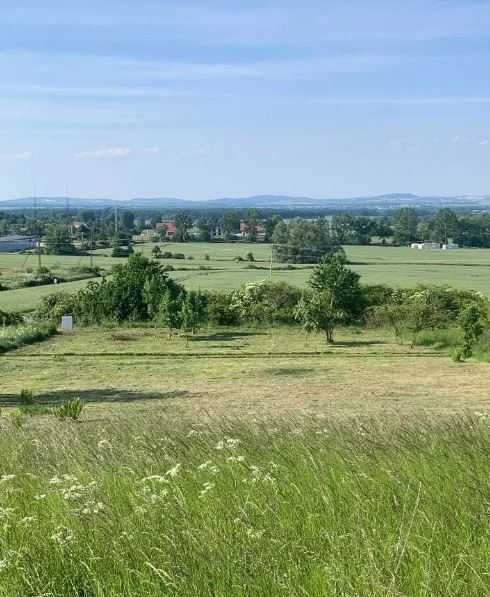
221 310
15 337
71 409
9 318
54 306
26 397
265 301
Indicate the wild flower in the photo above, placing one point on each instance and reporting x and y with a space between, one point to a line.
104 444
154 479
40 496
27 520
174 471
62 535
6 478
228 442
207 487
205 465
252 534
235 459
6 513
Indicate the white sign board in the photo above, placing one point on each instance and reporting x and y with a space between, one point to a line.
67 323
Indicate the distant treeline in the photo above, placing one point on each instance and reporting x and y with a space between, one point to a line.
304 230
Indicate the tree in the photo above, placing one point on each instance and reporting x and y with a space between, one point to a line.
471 322
203 226
231 223
128 220
170 312
183 222
405 225
251 221
156 252
445 225
58 241
303 241
336 299
194 311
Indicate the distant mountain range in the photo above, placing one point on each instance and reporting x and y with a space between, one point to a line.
382 202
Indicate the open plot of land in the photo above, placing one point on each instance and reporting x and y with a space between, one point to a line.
395 266
243 372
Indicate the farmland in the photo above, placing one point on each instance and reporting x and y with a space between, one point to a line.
295 468
395 266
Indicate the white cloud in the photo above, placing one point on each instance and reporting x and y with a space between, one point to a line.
26 155
113 152
150 150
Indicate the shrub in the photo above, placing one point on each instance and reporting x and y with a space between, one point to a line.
266 301
9 318
15 337
71 409
221 310
26 397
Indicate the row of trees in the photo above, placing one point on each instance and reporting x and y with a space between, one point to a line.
140 290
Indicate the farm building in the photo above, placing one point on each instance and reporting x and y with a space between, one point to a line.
422 246
14 242
450 247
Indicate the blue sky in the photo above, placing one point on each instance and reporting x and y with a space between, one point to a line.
224 98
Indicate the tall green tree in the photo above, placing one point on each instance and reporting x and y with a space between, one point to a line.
194 311
405 226
58 241
183 223
336 297
445 225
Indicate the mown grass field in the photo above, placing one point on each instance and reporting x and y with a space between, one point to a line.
395 266
243 372
244 462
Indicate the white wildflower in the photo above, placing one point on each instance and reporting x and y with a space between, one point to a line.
62 536
207 487
7 478
40 496
104 444
174 471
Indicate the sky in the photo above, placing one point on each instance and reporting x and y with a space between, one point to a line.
221 98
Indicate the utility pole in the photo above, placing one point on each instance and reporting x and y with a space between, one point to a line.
272 256
38 226
92 246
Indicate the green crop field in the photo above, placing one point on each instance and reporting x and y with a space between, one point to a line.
244 462
395 266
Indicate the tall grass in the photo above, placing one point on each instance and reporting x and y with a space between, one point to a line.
164 507
12 337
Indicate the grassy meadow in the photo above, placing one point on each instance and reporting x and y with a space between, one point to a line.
247 461
159 506
243 462
395 266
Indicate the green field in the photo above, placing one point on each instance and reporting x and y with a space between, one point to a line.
243 462
395 266
244 371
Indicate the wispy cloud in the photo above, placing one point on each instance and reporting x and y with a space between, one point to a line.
116 152
404 100
112 152
26 155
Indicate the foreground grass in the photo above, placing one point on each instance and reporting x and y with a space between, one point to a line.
168 507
